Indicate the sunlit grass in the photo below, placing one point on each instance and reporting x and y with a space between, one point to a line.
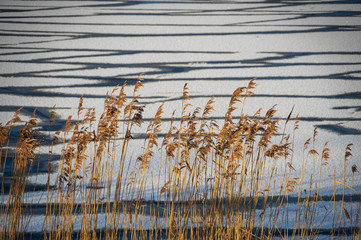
234 181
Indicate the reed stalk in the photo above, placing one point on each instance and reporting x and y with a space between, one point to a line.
231 179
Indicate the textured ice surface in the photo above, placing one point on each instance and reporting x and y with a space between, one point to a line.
305 54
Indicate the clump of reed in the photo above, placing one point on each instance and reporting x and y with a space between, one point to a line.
217 180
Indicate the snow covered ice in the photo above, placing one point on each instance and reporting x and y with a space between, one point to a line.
304 54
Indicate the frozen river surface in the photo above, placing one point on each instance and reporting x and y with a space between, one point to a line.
305 54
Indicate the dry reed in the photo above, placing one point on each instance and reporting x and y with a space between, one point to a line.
234 181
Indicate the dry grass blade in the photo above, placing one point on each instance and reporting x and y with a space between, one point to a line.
344 184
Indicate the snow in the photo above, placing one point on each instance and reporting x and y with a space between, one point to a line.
303 54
